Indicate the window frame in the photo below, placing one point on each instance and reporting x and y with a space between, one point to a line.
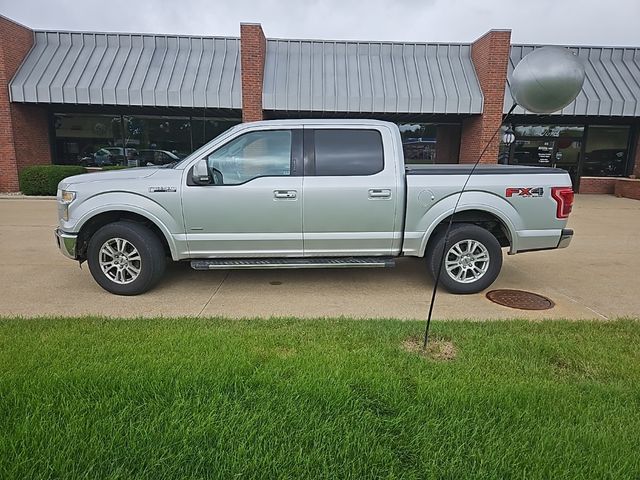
309 158
295 157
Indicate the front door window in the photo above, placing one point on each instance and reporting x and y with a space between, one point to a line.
252 155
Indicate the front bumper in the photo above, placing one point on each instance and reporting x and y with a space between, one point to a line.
66 243
565 238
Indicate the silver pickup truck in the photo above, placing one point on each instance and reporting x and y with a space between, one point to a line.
308 194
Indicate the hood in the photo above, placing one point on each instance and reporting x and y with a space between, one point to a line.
124 174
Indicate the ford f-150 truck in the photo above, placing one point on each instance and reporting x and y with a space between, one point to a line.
308 194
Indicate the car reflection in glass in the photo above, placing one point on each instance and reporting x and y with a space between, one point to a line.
152 157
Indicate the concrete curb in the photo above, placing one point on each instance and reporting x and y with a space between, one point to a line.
5 196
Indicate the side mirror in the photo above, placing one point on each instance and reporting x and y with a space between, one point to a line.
200 173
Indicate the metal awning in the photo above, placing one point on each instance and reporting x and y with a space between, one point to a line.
130 69
611 87
370 77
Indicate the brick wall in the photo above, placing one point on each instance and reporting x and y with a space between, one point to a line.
253 47
24 133
627 187
597 185
490 54
31 135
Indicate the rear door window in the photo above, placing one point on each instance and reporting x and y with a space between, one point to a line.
341 152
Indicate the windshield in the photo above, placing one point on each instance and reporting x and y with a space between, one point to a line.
203 148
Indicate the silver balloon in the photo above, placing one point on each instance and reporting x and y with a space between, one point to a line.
547 79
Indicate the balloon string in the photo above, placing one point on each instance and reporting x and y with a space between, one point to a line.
446 233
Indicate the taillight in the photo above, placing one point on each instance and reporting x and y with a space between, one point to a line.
564 199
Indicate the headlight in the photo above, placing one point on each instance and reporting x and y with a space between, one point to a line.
67 197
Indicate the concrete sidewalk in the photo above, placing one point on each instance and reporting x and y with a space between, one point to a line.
596 277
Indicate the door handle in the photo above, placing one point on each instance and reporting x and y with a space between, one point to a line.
285 194
380 193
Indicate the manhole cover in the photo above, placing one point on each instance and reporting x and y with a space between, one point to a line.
520 299
275 282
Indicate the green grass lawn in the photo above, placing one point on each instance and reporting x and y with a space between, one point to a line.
286 398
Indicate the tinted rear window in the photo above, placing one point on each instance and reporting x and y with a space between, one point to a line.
348 152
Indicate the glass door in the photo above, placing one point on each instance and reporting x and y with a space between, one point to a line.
566 155
561 152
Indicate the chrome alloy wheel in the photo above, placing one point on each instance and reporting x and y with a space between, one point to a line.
467 261
120 261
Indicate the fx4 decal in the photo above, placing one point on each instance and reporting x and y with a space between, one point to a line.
524 192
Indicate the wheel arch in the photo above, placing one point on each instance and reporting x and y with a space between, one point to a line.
475 212
482 218
93 223
476 207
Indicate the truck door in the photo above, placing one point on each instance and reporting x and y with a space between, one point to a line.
351 199
254 207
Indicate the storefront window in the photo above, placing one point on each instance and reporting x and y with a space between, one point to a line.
418 142
131 140
156 140
90 140
206 129
606 151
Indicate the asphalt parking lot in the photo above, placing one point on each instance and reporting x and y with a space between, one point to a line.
597 277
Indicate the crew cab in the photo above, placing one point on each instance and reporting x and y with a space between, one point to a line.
309 194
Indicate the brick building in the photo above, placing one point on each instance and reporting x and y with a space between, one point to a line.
102 98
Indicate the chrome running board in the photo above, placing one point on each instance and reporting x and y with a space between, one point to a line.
325 262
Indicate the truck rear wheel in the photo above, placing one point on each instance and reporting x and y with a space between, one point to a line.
126 258
472 261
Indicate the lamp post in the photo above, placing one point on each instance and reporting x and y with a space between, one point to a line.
508 137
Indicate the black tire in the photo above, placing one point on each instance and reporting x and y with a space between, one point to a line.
152 256
459 233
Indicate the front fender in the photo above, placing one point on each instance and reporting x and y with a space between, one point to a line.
168 218
471 200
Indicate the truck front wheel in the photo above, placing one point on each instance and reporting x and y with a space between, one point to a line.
126 258
472 262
